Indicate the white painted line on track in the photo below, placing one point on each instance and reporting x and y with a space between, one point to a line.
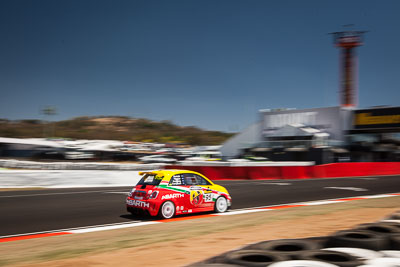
274 183
70 229
378 196
239 212
316 203
111 227
357 189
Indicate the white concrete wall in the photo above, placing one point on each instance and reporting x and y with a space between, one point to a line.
66 178
21 164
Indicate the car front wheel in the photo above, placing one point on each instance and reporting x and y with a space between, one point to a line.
167 210
221 205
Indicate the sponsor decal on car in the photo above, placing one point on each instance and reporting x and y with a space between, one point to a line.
196 188
208 198
179 189
138 203
170 196
196 197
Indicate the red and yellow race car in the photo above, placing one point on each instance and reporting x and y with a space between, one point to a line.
166 193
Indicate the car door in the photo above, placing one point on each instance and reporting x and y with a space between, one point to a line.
178 193
200 194
208 196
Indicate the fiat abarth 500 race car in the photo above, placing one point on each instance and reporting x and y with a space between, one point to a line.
166 193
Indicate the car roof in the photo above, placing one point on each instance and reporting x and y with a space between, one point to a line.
169 172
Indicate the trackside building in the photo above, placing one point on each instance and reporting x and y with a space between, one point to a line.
323 135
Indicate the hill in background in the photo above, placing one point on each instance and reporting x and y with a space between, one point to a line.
112 128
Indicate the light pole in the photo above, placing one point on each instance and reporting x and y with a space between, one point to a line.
49 111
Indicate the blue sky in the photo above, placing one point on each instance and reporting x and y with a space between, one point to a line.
208 63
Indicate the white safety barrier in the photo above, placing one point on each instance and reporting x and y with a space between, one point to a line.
67 178
34 165
364 254
383 262
24 164
391 253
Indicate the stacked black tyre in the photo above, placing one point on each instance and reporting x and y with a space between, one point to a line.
300 252
394 216
373 236
372 244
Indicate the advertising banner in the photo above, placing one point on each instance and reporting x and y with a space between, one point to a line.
377 118
332 120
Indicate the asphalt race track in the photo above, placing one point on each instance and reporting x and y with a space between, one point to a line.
53 209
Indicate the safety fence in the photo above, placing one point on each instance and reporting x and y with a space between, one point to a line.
305 171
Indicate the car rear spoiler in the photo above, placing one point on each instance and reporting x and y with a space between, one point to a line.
143 173
151 172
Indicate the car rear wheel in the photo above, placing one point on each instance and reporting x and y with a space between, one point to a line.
167 210
221 205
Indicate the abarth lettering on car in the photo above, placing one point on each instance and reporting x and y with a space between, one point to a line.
138 203
167 193
169 196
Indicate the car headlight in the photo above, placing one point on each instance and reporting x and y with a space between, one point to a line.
153 195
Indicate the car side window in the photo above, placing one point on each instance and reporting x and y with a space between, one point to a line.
190 179
202 181
177 179
194 179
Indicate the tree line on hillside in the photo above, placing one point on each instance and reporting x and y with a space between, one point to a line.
112 128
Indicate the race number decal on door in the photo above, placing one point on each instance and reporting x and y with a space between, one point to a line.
207 197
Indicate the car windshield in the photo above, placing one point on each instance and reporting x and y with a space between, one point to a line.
150 179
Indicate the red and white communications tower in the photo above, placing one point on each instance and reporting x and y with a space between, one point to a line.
348 41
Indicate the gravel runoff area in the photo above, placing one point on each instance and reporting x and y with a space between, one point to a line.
180 243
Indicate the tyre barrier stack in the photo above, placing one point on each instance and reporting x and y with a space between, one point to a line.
366 245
